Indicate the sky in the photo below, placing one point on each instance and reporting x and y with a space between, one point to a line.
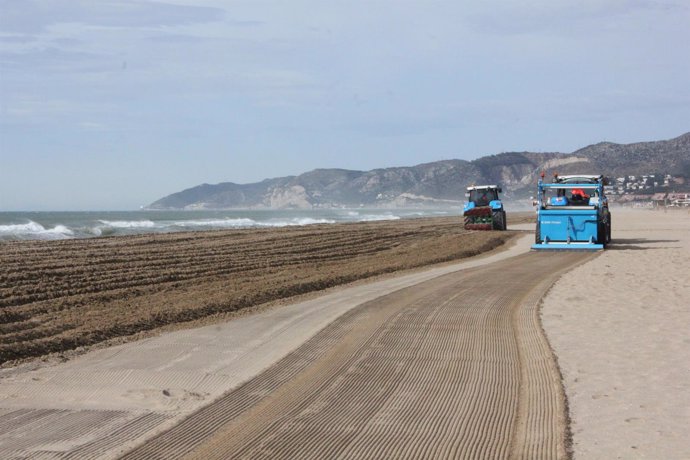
113 104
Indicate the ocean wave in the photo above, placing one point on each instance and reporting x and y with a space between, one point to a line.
220 223
200 224
296 221
34 231
128 223
88 225
375 217
358 216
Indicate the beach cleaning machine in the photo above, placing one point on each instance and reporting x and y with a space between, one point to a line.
484 210
572 213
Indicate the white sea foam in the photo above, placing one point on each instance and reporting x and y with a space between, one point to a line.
35 231
220 223
375 217
128 223
95 231
310 221
87 225
295 222
60 230
29 227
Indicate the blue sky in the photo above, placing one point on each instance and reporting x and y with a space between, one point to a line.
114 104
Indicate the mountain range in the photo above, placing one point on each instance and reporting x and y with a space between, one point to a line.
436 183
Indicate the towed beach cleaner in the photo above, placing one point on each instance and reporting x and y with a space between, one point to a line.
484 210
572 213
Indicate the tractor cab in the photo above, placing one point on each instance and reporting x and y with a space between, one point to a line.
482 196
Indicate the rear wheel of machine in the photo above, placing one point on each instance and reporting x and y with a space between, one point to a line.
498 221
601 233
468 222
537 235
505 221
608 230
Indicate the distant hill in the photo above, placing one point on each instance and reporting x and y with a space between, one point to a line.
437 183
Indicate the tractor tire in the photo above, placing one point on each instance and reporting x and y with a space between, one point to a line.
498 220
608 230
468 222
601 233
537 235
505 221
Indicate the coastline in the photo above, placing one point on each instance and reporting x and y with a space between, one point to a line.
622 355
92 224
69 294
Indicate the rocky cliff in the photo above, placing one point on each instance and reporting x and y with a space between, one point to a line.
437 183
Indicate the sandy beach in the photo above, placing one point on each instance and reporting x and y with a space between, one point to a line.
107 401
616 324
57 296
619 328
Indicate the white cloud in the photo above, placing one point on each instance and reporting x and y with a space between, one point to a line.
295 82
560 17
33 16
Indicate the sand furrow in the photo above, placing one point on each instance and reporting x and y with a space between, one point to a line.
60 295
454 367
541 428
117 437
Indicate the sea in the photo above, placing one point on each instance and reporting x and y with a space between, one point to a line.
91 224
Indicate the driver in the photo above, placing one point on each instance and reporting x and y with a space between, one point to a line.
578 194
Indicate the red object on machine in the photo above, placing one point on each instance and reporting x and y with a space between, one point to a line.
579 192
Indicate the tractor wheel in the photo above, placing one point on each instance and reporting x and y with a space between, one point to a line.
537 235
468 222
498 223
608 230
601 233
505 221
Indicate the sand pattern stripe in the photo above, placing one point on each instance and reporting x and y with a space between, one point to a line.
60 295
456 367
67 434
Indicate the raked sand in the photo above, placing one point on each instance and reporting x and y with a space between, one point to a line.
106 401
620 327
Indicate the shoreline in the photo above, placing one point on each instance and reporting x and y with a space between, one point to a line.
622 356
52 226
69 294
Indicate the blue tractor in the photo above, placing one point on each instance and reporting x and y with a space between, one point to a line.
484 209
572 213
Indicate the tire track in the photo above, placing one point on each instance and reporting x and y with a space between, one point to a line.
456 367
57 432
